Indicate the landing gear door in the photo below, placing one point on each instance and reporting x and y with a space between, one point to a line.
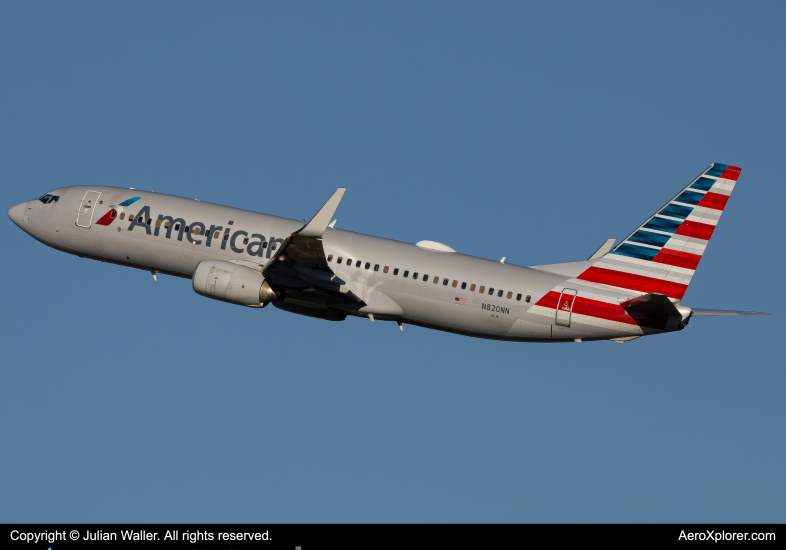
565 307
84 217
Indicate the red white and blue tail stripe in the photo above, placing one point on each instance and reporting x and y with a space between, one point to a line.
663 253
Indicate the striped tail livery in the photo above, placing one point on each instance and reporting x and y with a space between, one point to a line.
637 287
662 254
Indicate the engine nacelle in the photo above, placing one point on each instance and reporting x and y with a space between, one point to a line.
232 283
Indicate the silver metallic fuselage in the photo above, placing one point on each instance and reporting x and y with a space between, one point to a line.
425 303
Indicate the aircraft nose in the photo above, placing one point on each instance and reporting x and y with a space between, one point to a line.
15 213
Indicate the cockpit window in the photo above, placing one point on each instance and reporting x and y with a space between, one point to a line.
49 198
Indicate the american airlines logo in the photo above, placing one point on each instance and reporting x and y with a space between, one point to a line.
110 216
196 233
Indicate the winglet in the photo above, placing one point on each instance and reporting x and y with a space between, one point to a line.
603 250
317 225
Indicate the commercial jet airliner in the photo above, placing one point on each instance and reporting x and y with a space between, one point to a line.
620 293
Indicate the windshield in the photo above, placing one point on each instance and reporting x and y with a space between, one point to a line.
49 198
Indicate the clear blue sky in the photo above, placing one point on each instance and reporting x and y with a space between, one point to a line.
528 130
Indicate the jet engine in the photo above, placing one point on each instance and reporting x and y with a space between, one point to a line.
233 283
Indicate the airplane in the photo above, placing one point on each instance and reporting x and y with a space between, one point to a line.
314 269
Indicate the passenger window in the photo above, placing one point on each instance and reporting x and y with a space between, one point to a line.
528 299
472 288
226 235
349 262
187 229
177 227
454 284
338 261
491 292
425 277
166 224
113 215
463 286
376 267
158 223
216 234
368 264
518 297
264 244
197 230
330 258
395 271
149 221
140 219
123 216
483 288
415 275
273 246
499 293
385 269
245 241
445 282
436 280
357 263
510 295
406 273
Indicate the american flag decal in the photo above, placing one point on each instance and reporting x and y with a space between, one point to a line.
460 301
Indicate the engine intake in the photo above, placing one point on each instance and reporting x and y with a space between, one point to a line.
229 282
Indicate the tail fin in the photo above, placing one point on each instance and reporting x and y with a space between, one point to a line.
663 253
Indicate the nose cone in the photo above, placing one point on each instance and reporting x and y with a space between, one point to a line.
15 213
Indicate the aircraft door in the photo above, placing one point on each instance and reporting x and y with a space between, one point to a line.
84 217
565 307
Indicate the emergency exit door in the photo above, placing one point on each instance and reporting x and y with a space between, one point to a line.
565 307
84 217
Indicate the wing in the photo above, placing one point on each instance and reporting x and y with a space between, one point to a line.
300 263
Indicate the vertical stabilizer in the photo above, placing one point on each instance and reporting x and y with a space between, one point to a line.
662 254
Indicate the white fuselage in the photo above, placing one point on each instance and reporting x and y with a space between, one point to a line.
436 289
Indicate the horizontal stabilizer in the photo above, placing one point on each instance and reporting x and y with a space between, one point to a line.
603 250
317 225
722 313
652 304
